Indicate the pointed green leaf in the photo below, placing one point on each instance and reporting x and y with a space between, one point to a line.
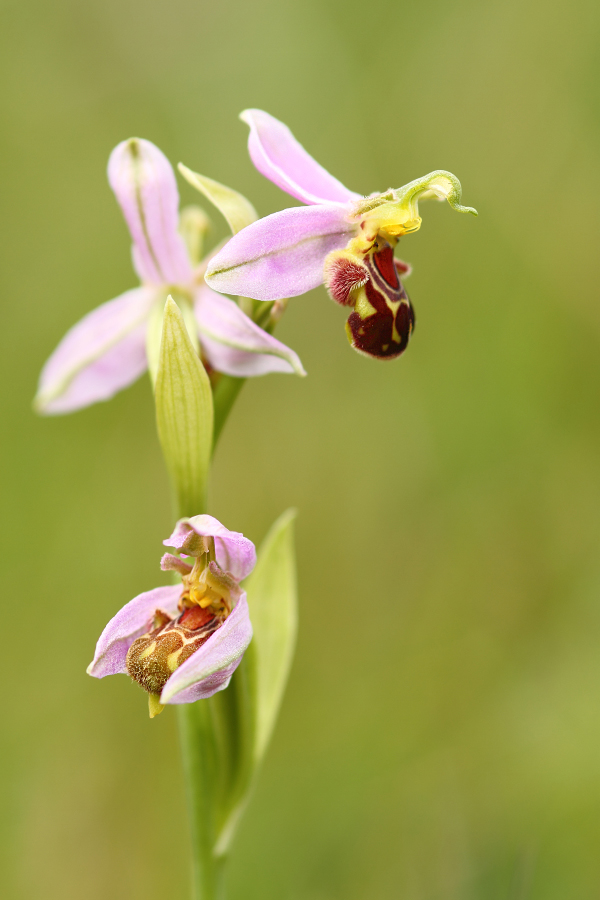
155 329
238 211
184 412
272 598
245 713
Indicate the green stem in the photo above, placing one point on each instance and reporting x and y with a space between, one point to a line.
224 396
217 734
209 737
217 741
200 765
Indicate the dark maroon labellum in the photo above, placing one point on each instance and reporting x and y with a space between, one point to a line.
383 333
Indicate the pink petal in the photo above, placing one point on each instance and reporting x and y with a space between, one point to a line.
234 553
130 622
145 187
170 563
103 353
281 255
236 345
209 669
278 156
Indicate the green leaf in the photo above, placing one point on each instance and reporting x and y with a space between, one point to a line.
235 722
272 599
184 413
244 715
238 211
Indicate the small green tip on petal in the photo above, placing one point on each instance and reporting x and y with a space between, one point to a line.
155 707
237 210
440 185
396 212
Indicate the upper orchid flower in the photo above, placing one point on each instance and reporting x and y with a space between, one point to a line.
106 351
340 238
183 643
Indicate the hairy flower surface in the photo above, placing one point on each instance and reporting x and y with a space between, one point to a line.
340 238
106 350
183 643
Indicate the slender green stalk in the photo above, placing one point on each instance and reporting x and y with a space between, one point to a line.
217 735
225 394
213 743
200 766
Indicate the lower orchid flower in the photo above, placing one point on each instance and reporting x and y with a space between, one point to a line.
113 345
182 643
340 238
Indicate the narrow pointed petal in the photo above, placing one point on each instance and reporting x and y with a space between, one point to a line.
145 187
234 553
170 563
99 356
209 669
281 255
131 622
233 206
279 157
236 345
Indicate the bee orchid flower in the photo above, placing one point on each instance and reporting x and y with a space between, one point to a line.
183 642
109 348
339 237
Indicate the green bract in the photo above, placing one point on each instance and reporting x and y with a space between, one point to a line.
238 211
272 601
184 412
237 724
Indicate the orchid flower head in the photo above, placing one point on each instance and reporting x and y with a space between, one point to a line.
112 345
183 642
339 237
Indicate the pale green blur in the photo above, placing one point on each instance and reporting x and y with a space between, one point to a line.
440 737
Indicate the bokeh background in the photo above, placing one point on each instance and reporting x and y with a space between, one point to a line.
440 737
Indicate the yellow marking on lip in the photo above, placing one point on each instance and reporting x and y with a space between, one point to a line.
148 651
362 305
173 659
394 306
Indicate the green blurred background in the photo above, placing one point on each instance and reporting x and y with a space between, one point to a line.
440 735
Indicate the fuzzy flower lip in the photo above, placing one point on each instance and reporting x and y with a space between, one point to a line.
106 351
283 254
209 668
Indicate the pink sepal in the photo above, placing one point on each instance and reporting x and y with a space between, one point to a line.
209 669
133 620
234 344
100 355
145 187
283 160
281 255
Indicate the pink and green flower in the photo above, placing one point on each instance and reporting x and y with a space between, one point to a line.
339 237
110 347
182 643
